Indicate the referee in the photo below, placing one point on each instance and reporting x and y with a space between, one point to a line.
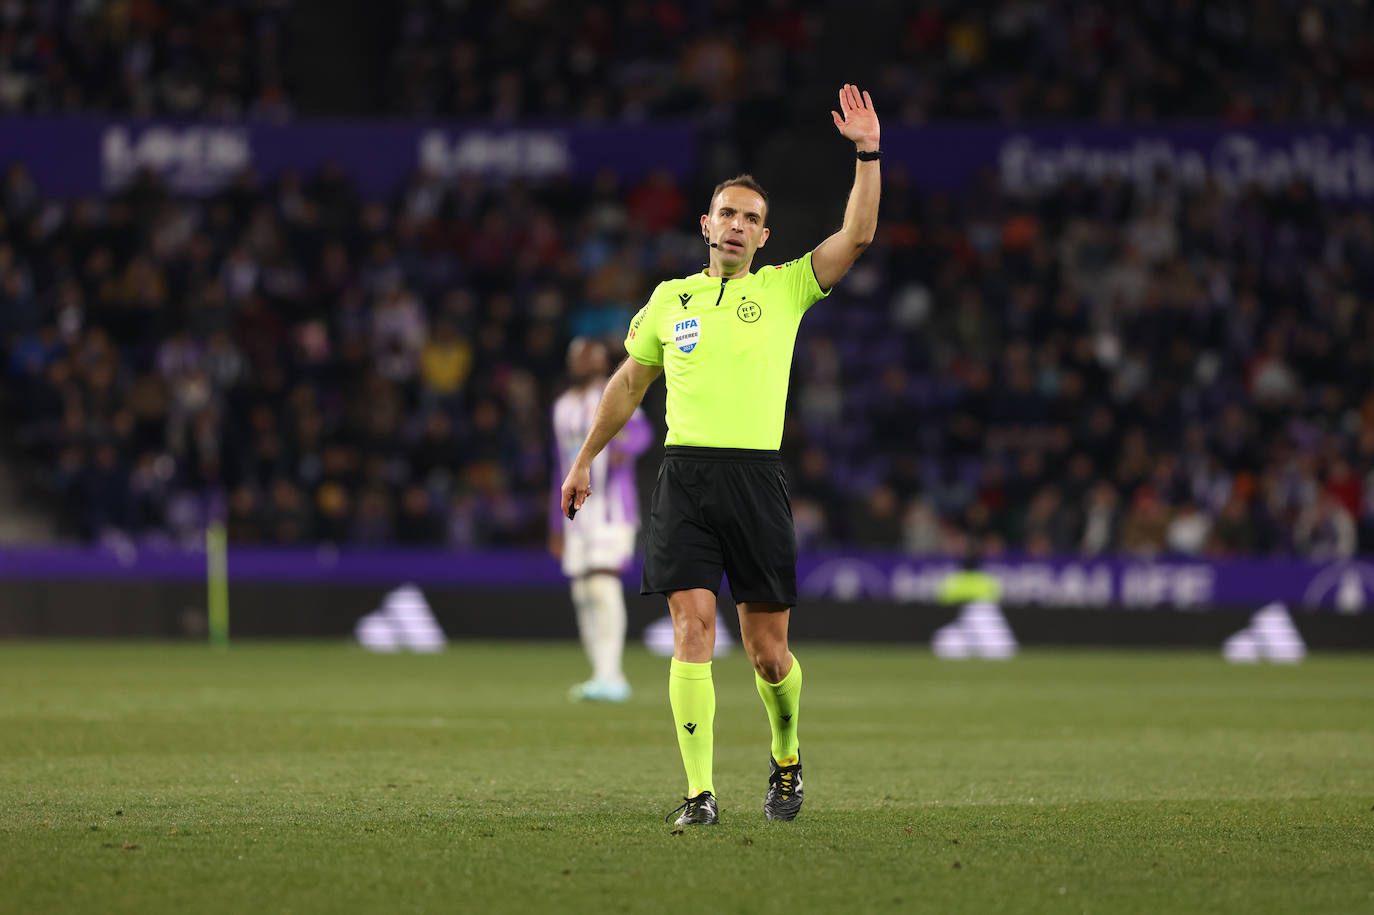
724 339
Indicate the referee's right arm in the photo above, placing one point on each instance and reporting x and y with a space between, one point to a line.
623 393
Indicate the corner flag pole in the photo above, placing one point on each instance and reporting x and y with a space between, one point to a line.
217 583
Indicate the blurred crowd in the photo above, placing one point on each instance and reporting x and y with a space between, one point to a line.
623 61
1183 372
1095 369
1237 61
330 369
222 59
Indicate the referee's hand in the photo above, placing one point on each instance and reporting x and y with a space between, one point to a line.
576 488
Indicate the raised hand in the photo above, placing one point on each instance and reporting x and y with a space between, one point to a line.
856 120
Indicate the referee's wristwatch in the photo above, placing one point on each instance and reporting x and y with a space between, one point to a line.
870 156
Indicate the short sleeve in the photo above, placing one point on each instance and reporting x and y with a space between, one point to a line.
799 279
642 342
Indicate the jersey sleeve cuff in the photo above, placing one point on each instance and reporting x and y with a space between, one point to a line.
643 360
821 291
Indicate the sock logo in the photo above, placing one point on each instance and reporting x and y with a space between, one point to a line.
690 727
786 718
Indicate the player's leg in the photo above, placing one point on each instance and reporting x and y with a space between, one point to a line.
605 635
777 675
692 693
761 564
586 623
683 560
613 548
576 566
778 678
600 604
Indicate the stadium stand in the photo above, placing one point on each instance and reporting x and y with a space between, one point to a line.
1084 370
1011 60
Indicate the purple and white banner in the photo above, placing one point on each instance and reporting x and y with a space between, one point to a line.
75 157
1338 162
1345 586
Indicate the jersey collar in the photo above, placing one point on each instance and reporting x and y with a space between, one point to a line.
749 275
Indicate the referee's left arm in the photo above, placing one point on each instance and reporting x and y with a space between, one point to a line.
856 121
618 401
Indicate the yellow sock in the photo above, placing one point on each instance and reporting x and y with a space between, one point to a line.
783 701
692 694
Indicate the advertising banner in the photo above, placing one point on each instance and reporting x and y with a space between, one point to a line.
75 157
1337 162
1345 586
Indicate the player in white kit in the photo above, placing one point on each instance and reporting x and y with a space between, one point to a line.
596 549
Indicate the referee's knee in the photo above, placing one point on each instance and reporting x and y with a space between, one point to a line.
695 637
771 662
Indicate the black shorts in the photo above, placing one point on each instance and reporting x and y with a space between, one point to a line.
721 510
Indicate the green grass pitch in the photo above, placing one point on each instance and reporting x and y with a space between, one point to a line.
316 778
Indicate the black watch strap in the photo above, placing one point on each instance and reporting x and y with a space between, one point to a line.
868 156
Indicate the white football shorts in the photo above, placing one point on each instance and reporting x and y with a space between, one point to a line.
605 546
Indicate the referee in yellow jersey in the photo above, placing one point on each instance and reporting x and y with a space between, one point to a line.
724 339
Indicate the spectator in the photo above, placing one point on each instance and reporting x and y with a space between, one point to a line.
417 525
1144 531
1188 530
445 363
1325 530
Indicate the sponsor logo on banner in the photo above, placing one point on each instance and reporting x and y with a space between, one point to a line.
536 153
191 160
1347 586
687 334
1185 586
1073 584
1335 168
847 579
